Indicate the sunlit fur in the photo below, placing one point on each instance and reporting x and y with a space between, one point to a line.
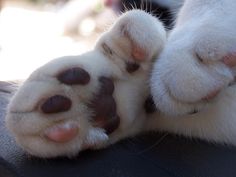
180 72
190 67
28 124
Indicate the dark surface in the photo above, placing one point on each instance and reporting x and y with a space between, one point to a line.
6 169
152 155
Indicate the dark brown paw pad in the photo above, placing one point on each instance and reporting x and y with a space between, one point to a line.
107 86
74 76
132 67
104 107
56 104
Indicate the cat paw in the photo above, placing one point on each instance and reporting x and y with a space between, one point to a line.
64 107
88 101
193 71
135 37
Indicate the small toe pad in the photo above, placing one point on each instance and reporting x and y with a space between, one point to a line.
56 104
74 76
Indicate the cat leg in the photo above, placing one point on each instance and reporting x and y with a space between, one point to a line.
198 61
92 100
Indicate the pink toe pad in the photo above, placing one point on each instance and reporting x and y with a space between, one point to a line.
230 60
62 133
138 53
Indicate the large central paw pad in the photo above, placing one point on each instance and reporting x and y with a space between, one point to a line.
104 106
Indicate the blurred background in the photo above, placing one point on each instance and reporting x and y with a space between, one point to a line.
32 32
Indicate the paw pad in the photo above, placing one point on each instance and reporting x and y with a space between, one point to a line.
62 133
138 53
74 76
107 86
104 107
132 67
105 113
56 104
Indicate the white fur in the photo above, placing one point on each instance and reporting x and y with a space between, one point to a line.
179 80
203 29
28 124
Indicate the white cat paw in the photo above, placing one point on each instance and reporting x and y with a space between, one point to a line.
192 71
88 101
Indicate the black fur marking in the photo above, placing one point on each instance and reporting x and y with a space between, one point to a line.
149 105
